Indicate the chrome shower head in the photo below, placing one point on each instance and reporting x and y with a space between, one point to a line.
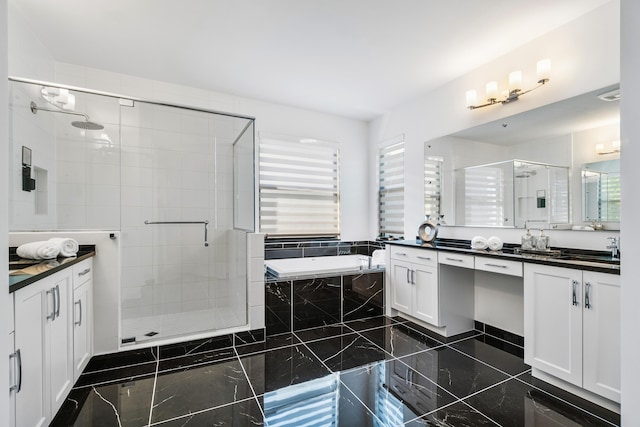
86 124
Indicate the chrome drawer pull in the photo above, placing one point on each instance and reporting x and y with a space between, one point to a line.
426 258
454 259
587 291
496 265
85 271
400 253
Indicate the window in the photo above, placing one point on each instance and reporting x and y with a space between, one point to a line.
391 190
432 185
299 188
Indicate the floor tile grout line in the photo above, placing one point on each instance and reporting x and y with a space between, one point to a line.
358 398
200 411
253 391
488 364
155 382
565 401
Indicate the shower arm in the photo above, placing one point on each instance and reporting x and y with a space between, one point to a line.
35 108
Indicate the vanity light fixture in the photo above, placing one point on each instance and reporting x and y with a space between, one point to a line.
614 148
515 87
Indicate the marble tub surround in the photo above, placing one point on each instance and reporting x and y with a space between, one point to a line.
292 248
301 304
375 371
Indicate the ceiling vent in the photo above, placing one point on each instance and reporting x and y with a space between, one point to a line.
613 95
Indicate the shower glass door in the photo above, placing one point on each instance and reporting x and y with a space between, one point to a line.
183 264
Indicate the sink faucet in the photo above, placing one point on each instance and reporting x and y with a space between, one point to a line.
614 247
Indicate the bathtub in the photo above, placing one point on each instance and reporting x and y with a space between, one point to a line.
294 267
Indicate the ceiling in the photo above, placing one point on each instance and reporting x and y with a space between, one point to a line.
354 58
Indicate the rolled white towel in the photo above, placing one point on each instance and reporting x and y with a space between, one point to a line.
479 243
38 250
494 243
378 257
68 247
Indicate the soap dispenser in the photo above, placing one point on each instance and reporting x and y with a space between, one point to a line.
542 242
527 241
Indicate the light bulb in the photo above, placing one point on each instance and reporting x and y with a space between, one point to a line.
492 90
472 98
544 70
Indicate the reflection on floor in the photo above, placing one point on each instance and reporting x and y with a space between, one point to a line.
374 372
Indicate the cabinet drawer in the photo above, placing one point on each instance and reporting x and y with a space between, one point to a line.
458 260
82 272
418 256
512 268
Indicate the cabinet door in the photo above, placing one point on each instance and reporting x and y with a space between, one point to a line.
31 305
81 328
553 321
401 288
601 334
426 303
59 343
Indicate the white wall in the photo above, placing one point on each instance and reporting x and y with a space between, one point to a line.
6 347
630 133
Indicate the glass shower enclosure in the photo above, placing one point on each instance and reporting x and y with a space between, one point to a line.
176 182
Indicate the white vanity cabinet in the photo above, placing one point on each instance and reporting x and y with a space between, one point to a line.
572 326
82 316
432 287
414 278
43 340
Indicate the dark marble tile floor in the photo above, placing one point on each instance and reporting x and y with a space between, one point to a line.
372 372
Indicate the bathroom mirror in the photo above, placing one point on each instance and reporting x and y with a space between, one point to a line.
601 191
566 133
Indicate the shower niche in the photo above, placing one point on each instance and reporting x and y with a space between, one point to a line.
176 182
513 193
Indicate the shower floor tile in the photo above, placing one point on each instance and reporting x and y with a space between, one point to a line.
375 372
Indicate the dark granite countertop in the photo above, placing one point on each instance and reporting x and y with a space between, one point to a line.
39 269
580 259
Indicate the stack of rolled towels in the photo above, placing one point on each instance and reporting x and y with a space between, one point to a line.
49 249
493 243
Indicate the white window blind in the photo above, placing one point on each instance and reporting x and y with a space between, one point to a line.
299 189
432 185
391 190
484 196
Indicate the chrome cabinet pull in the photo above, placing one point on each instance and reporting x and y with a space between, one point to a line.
85 271
400 253
454 259
426 258
18 357
408 272
496 265
413 277
52 316
575 292
58 299
587 291
79 322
